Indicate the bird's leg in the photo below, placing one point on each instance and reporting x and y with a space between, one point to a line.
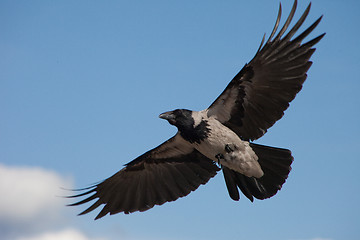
229 148
219 157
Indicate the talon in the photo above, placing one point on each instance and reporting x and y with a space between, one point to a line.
228 149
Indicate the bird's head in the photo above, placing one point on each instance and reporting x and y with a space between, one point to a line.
179 117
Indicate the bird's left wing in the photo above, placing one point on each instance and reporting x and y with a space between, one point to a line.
260 93
163 174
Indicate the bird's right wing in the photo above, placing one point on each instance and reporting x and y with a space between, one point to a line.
163 174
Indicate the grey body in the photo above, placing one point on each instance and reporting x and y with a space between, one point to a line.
240 157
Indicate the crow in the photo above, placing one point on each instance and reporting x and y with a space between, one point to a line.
221 136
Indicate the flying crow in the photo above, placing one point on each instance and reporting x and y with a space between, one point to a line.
220 137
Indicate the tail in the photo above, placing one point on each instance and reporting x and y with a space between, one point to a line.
276 165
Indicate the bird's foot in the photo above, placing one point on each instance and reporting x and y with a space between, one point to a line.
219 157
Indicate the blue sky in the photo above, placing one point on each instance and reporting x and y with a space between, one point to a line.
81 87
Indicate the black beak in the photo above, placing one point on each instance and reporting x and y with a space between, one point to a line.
167 116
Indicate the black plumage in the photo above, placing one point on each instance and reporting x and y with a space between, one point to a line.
251 103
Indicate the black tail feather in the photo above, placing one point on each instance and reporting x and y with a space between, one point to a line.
276 165
231 183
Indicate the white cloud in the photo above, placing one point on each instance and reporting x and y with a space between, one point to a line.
67 234
30 206
31 192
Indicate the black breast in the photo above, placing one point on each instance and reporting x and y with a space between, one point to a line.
195 134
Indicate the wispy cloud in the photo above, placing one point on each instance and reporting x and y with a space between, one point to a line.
30 193
30 208
67 234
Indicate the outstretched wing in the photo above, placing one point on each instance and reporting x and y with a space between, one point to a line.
260 93
163 174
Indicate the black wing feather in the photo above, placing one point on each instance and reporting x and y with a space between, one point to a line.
260 93
163 174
